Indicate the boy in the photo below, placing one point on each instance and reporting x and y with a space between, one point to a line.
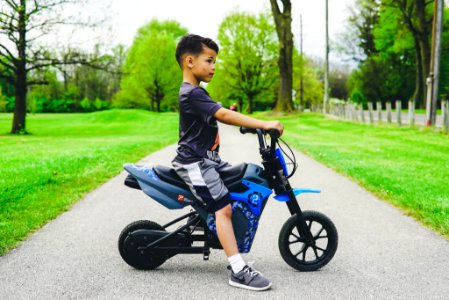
197 161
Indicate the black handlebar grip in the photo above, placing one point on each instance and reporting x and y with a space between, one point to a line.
244 130
274 133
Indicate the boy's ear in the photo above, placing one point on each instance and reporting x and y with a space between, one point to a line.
189 61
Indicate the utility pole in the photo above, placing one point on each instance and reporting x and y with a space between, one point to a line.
301 75
434 74
326 62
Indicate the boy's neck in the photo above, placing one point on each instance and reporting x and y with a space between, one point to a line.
190 78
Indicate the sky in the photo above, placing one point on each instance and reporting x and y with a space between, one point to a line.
203 17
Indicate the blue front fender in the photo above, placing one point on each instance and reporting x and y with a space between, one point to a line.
297 191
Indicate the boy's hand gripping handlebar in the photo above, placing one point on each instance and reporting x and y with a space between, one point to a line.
274 133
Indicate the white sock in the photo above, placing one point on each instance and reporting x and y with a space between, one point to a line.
237 263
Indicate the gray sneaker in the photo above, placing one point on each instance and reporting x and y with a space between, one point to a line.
249 279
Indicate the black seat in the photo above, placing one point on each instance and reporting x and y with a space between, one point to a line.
233 173
228 175
169 175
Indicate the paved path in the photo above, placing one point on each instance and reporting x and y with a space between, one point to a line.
382 254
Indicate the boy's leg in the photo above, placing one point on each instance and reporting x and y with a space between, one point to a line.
207 186
225 231
241 275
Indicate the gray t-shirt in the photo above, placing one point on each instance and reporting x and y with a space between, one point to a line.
198 128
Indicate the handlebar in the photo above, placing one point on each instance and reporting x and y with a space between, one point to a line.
268 153
274 134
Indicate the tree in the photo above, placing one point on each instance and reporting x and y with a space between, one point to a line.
92 81
313 88
338 81
444 69
151 74
22 24
384 53
283 21
247 60
417 17
358 40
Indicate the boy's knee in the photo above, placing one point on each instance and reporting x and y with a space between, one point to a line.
225 212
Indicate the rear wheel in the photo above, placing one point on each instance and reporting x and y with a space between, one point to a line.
128 246
308 256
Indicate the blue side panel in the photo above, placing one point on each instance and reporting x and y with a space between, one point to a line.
246 210
254 197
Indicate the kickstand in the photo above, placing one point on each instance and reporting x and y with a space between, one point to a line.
206 251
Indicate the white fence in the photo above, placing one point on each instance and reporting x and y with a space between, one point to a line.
355 112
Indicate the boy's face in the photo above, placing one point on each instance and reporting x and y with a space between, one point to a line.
202 66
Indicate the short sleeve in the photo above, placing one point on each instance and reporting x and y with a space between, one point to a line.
202 105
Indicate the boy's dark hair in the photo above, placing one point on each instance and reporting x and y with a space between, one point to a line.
193 44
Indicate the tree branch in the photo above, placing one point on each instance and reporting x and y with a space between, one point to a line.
49 23
276 12
6 65
287 6
11 56
7 16
8 78
37 82
38 8
11 4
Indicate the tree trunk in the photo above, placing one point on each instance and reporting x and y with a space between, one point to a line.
250 105
414 15
419 92
159 95
425 66
423 36
283 21
18 123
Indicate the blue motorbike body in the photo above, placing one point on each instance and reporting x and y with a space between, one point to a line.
249 196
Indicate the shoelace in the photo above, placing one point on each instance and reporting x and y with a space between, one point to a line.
252 272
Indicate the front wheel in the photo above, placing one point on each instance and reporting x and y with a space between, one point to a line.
308 256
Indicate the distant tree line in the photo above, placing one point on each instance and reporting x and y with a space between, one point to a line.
35 78
147 75
71 88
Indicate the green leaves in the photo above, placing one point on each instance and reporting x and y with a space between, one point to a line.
151 74
246 68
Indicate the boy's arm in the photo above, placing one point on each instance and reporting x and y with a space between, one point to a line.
234 118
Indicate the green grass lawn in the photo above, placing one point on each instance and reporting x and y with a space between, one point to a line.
407 167
66 156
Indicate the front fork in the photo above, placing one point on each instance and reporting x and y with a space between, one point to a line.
279 182
303 228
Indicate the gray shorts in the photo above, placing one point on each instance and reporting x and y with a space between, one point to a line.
205 183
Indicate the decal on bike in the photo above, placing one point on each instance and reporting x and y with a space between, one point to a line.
252 196
244 244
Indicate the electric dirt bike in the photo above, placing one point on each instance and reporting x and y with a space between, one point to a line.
307 241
